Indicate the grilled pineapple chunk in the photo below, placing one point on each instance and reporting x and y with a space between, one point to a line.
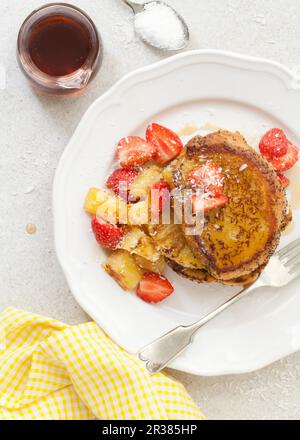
91 203
115 210
141 185
172 244
138 213
106 205
151 266
121 266
187 259
167 174
138 243
168 238
111 208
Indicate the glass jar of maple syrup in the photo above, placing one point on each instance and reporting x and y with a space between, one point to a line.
59 48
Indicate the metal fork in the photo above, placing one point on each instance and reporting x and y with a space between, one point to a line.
283 268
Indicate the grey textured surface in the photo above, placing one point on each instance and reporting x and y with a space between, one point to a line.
35 130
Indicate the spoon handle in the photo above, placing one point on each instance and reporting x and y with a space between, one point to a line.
136 8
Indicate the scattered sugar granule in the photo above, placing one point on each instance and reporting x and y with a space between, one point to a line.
159 25
31 228
260 19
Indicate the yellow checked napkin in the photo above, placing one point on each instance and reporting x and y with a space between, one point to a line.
49 370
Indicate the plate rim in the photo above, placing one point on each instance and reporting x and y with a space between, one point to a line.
219 57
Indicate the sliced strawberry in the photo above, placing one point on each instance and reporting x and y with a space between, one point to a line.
285 182
286 162
167 143
274 144
133 151
154 288
160 195
209 177
208 203
107 235
120 180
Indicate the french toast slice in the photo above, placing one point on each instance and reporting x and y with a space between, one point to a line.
201 276
240 237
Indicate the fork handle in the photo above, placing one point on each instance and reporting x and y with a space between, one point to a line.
159 353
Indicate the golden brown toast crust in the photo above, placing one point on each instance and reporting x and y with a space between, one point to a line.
240 237
202 276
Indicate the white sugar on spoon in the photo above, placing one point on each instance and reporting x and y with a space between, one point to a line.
159 25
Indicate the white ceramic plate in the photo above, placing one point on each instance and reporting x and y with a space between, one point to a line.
205 88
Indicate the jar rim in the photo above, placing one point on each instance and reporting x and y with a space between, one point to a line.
32 71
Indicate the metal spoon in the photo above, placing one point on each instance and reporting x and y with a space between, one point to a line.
155 35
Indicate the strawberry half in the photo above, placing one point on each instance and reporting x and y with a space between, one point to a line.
120 180
133 151
160 195
274 144
107 235
167 143
286 162
209 177
285 182
209 203
154 288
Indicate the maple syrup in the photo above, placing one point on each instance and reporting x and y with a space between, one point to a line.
59 45
59 48
188 129
294 189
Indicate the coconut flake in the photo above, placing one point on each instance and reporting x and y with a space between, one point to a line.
243 167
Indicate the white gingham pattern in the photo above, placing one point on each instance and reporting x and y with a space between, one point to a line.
52 371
